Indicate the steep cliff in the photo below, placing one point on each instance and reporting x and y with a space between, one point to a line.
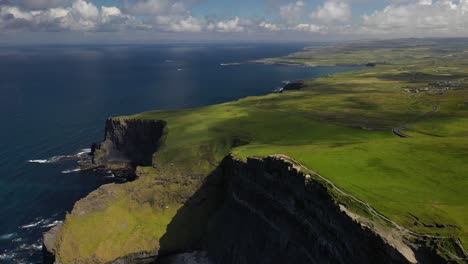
273 213
265 211
129 141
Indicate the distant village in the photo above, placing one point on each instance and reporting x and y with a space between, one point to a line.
438 86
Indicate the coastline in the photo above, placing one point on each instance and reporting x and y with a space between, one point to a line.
120 170
177 165
64 125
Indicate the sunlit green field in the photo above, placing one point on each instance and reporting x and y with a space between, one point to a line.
338 126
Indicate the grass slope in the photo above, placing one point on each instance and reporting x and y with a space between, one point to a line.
339 126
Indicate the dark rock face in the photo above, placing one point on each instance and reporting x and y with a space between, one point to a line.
137 258
48 244
129 141
273 214
296 85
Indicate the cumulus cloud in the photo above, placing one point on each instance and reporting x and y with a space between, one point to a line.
293 12
333 11
80 16
330 17
269 26
166 15
183 24
307 28
432 18
233 25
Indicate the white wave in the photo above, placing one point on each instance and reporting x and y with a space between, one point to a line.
7 236
180 69
16 240
32 224
7 256
230 64
70 171
36 246
54 159
56 222
38 161
85 151
50 160
111 176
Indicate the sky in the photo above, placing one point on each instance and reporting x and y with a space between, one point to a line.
153 21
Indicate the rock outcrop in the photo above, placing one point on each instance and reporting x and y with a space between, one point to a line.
129 141
48 243
296 85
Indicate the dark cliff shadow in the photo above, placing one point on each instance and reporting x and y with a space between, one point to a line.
186 231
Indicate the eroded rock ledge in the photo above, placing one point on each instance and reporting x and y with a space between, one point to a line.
129 141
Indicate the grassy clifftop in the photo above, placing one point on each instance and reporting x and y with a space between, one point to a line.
339 126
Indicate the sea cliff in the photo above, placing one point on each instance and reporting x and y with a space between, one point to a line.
129 141
262 210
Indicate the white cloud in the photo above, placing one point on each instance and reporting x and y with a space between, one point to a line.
80 16
423 18
14 12
85 10
333 11
188 24
269 26
333 18
293 12
233 25
166 15
110 11
307 28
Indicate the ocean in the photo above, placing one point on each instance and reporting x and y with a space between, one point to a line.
54 101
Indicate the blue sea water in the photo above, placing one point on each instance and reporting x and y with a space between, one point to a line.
54 100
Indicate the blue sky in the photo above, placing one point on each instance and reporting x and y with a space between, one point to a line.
251 8
274 20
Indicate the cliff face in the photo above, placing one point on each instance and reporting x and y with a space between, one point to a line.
268 212
275 214
129 141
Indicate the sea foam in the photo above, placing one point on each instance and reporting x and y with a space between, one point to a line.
34 224
7 236
54 159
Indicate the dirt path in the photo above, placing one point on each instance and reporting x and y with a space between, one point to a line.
398 130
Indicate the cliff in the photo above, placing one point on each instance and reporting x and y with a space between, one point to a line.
273 213
267 211
263 210
129 141
295 85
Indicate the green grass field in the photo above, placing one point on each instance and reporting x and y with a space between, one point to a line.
338 126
